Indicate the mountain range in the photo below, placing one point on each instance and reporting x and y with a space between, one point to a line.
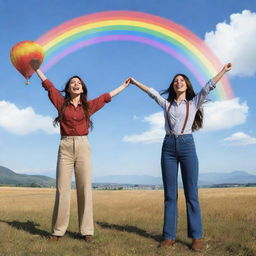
9 177
205 179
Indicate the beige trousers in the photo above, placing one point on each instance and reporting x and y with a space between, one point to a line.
74 155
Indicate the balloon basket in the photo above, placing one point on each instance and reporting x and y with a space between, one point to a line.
27 82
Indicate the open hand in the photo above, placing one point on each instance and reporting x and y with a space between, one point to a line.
35 64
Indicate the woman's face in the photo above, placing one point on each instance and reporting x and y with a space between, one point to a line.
75 86
179 84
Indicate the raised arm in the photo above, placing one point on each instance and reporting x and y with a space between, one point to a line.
151 92
35 64
124 85
225 69
201 97
54 95
140 85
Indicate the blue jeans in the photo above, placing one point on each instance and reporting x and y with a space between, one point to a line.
180 150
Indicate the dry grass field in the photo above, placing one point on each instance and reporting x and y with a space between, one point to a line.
127 223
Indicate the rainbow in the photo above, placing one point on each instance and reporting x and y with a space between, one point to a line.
158 32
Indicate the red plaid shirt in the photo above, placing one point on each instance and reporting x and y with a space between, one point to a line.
74 122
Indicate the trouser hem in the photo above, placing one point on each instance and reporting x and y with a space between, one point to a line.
87 233
169 238
56 234
196 237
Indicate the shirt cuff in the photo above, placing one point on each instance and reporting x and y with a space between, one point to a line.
107 97
212 84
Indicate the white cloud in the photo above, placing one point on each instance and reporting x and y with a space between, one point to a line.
154 134
24 121
240 139
235 42
218 115
225 114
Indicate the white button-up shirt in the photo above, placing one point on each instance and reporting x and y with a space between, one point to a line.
177 113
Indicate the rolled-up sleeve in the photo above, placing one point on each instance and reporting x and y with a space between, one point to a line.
98 103
54 94
157 97
201 97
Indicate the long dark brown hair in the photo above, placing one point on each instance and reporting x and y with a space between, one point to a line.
67 98
190 94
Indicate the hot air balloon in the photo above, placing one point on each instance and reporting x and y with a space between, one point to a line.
22 53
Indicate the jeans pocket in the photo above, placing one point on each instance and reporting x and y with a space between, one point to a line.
188 140
165 139
165 143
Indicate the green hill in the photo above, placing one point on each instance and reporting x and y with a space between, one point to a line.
9 177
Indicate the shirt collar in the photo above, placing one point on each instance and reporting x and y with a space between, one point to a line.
79 104
183 101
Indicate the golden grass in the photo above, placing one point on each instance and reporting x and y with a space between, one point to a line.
127 223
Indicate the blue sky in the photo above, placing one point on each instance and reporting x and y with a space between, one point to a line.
128 132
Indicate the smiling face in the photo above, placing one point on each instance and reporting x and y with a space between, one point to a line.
179 84
75 86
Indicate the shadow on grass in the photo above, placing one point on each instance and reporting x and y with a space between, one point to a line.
136 230
28 226
31 227
74 235
130 229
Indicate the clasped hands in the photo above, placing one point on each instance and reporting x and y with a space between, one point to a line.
130 80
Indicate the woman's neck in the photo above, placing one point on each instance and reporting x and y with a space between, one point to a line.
180 97
75 99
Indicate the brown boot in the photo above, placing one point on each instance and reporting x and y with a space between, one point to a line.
197 244
87 238
54 238
167 243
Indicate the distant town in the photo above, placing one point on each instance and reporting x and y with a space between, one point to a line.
115 186
109 186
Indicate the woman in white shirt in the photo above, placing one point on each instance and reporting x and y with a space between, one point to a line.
182 116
